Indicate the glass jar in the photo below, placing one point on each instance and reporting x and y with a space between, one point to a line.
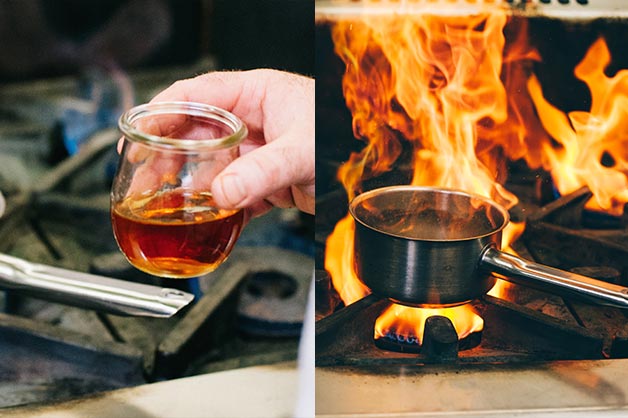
164 217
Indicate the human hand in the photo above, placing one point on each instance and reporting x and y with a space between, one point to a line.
276 166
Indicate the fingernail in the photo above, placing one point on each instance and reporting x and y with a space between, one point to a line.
232 189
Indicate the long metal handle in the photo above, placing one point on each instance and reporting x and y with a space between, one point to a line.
89 290
528 273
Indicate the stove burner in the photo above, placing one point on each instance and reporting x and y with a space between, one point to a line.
440 340
272 300
512 334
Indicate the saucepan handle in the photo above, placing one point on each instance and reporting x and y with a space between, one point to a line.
528 273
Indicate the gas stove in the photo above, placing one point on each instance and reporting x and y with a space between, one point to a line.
536 352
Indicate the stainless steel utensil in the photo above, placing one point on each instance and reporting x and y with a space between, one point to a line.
424 246
89 290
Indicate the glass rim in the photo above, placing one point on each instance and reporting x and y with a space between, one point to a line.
216 114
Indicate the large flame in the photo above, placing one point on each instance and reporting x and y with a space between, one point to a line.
436 83
459 94
586 138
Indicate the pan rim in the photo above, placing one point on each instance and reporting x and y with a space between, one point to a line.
387 189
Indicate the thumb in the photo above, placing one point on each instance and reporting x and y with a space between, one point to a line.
268 170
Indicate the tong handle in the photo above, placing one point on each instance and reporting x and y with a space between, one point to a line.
90 291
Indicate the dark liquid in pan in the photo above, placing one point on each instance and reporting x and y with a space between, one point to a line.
432 224
429 215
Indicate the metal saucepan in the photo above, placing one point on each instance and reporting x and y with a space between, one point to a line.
422 246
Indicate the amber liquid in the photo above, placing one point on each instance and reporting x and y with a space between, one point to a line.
175 234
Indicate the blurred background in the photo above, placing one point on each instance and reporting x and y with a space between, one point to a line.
43 38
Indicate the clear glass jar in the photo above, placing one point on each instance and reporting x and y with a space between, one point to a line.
163 214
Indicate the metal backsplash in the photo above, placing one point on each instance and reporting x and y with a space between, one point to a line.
563 9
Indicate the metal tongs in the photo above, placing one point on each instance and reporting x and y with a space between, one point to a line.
90 291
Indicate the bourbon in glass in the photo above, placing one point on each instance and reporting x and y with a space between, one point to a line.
176 233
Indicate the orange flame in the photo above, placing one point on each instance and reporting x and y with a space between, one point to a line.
510 234
433 82
586 138
409 323
339 262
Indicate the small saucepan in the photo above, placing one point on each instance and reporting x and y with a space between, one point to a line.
422 246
